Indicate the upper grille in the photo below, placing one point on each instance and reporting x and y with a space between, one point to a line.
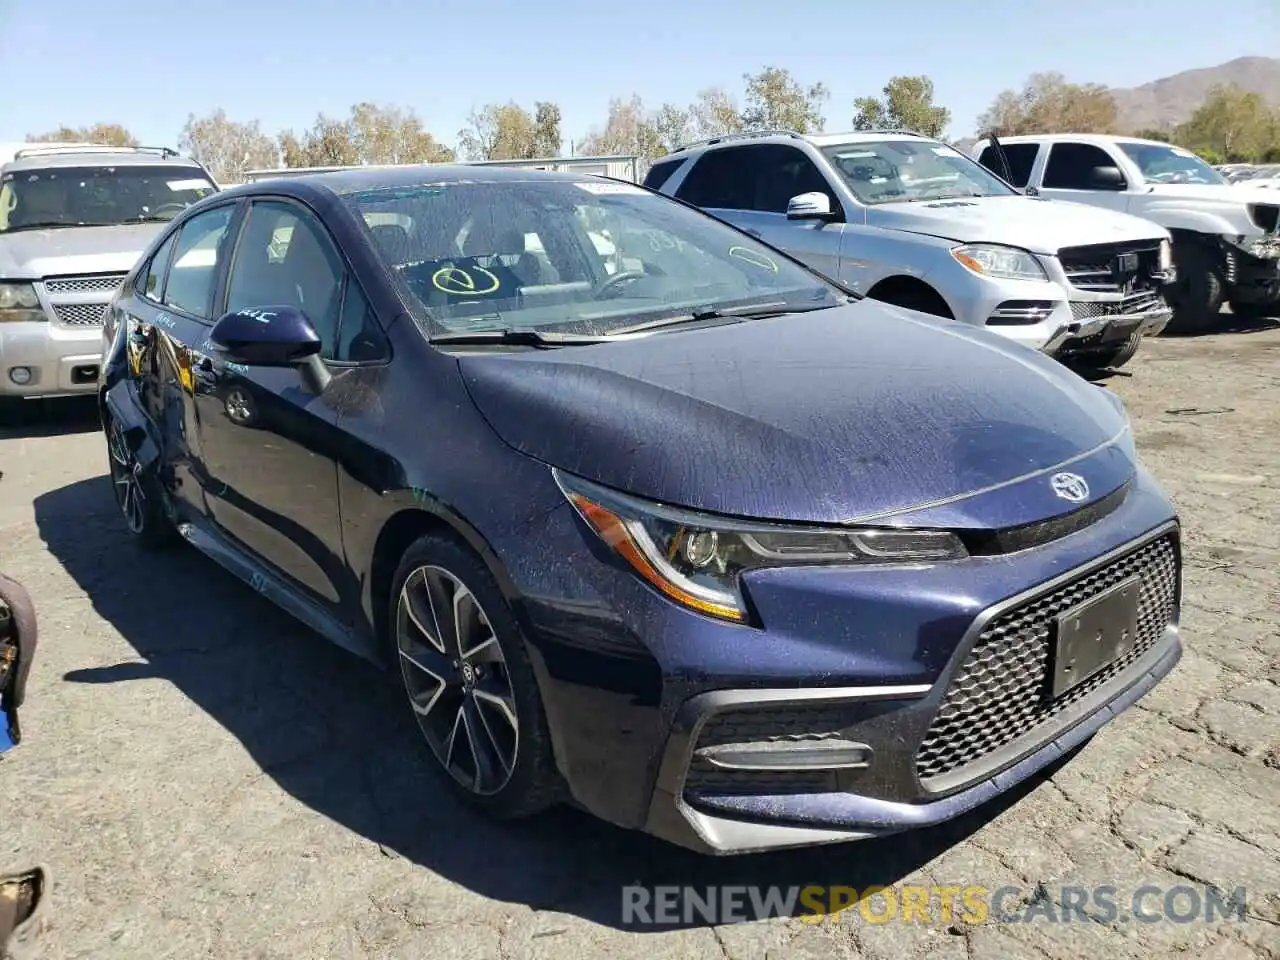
80 314
1001 691
1092 267
105 283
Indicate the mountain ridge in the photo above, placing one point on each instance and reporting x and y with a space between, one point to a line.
1162 104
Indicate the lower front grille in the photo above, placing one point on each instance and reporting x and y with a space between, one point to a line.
1000 694
80 314
1137 303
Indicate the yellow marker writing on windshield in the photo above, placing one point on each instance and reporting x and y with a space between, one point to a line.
456 281
753 258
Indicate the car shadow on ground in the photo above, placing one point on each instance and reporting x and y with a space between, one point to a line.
333 732
48 418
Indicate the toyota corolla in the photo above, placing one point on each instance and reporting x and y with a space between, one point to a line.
643 514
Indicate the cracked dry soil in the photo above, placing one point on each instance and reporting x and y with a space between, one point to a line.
207 779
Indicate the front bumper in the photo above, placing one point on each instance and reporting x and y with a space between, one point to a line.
1100 330
930 751
58 360
1250 279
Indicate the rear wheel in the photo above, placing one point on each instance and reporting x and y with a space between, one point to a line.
470 684
137 491
1198 294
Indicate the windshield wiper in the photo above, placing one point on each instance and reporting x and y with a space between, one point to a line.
727 315
520 338
51 224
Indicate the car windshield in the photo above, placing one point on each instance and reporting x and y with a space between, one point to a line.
97 196
573 257
1160 163
894 171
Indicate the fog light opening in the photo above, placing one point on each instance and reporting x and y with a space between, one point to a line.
20 375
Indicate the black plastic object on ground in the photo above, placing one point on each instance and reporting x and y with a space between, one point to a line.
17 650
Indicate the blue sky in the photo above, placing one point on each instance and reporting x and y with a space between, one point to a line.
147 64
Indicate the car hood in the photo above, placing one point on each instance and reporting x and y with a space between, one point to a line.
1227 194
32 254
848 413
1040 226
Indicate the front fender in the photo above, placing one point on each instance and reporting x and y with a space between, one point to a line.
1201 221
121 403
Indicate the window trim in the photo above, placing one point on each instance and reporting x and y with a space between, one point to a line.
233 227
140 281
348 274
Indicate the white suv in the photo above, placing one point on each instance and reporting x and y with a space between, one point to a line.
911 221
73 221
1226 237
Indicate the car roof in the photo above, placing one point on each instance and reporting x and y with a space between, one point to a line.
46 158
1095 138
785 136
360 179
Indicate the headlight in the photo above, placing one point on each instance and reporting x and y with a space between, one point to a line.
18 303
1166 256
696 560
993 260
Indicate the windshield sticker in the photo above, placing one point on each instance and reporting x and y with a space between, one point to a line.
187 184
860 155
605 187
1181 152
455 281
753 257
944 151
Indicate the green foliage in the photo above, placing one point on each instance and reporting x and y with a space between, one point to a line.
907 103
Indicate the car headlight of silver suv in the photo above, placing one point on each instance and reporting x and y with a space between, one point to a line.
995 260
696 559
18 303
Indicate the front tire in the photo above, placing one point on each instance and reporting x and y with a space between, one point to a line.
137 492
466 670
1198 295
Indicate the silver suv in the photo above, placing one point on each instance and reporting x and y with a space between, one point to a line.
73 221
913 222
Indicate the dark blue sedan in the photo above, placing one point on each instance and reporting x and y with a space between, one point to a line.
647 516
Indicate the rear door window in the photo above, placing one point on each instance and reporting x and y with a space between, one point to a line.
1021 157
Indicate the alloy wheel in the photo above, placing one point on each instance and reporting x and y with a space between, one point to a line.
125 479
457 679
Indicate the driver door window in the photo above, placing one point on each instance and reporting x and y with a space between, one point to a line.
1071 166
196 258
286 258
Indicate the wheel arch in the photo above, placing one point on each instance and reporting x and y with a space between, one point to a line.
421 516
905 290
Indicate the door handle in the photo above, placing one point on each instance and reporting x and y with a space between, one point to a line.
205 365
753 232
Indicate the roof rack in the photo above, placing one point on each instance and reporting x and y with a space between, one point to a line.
46 151
742 135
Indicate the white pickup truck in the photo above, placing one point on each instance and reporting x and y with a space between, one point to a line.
1226 238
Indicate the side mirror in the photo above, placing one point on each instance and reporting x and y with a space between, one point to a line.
1107 178
809 206
271 336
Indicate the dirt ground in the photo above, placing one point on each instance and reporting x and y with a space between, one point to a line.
207 779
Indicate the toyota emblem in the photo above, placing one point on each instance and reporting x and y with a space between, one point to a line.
1069 486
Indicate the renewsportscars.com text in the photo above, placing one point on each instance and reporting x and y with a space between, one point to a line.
972 904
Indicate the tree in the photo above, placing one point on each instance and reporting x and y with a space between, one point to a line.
1232 123
546 130
369 134
388 134
227 148
632 130
775 101
714 113
1150 133
1047 103
110 134
907 103
507 131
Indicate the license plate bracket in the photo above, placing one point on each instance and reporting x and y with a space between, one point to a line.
1094 634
